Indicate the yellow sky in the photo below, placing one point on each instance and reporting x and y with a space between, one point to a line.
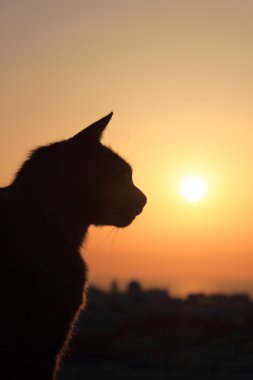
178 76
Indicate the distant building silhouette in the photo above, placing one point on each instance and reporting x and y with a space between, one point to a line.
134 288
114 287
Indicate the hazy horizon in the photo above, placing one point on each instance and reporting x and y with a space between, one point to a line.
178 289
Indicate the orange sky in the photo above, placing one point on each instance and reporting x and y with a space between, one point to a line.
179 77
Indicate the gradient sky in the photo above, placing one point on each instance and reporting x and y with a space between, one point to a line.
179 77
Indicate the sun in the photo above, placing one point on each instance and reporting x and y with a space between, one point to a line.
193 188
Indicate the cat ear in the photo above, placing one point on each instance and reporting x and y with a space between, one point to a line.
94 132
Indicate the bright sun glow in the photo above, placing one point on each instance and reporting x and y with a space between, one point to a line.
193 188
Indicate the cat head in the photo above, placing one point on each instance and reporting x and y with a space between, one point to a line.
83 178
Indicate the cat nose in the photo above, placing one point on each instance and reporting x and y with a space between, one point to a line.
141 198
144 199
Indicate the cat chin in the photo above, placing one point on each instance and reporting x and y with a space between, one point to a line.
123 220
119 221
124 223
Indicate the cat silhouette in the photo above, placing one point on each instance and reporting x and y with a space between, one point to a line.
59 191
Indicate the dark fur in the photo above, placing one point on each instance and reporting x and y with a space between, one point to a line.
45 213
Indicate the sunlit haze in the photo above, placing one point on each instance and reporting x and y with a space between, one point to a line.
179 77
193 188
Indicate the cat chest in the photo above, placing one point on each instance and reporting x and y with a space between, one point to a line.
43 284
61 281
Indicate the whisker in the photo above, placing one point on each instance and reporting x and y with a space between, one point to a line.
105 238
114 236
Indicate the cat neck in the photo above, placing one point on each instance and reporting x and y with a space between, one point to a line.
53 221
65 227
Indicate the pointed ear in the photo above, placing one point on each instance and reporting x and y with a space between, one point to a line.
94 132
